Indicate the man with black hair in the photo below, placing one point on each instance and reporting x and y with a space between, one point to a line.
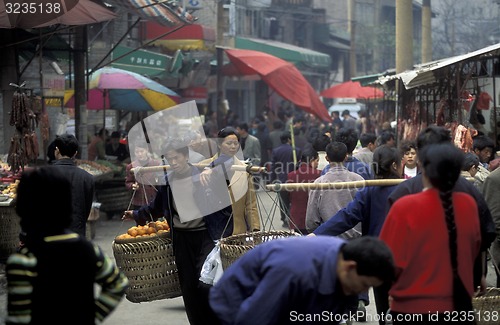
368 144
82 183
387 138
250 145
322 204
349 137
301 279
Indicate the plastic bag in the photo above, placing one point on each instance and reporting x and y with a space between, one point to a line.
211 271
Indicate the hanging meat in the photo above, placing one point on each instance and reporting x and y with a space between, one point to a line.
24 143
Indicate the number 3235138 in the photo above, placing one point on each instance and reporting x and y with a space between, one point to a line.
478 315
45 7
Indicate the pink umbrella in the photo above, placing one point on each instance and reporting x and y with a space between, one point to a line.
352 89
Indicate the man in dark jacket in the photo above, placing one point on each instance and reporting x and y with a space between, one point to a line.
283 162
82 183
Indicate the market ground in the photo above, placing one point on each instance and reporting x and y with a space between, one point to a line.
171 311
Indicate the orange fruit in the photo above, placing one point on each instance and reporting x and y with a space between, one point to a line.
132 232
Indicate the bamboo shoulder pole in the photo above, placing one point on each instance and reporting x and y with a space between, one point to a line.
336 185
241 168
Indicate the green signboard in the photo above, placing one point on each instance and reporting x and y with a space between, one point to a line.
140 61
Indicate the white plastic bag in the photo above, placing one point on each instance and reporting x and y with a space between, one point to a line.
211 270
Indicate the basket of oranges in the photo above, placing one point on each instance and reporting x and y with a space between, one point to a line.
145 254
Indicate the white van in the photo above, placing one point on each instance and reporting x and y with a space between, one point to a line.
349 104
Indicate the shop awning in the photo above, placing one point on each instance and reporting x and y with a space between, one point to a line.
140 61
167 13
187 38
429 73
291 53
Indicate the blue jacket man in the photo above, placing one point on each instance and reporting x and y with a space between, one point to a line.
300 279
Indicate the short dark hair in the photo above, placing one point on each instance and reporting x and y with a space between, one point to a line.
481 142
442 164
36 192
67 144
349 137
407 146
321 141
386 136
115 135
227 131
433 134
366 138
336 151
470 159
383 158
308 155
179 145
372 256
346 112
285 136
243 126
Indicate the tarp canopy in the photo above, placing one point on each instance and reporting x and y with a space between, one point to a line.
281 76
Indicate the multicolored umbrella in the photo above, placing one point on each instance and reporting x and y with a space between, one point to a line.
112 88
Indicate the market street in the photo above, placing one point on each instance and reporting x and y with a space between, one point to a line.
171 311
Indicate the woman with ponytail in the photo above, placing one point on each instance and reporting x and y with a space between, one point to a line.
435 238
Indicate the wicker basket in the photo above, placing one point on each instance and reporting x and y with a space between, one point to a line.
487 307
232 247
9 232
149 265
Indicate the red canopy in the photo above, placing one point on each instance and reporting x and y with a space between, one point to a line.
280 75
352 89
43 13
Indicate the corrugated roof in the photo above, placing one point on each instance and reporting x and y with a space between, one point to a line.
427 73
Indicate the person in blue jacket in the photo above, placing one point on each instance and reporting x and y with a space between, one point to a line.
370 206
300 279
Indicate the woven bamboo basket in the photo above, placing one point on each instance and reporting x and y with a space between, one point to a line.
233 247
9 231
149 265
487 307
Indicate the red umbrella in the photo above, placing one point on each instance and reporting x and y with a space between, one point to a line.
280 75
352 89
41 13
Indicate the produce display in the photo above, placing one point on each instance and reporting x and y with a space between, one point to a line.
92 167
151 229
9 190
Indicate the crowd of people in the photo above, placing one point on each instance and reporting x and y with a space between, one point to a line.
422 244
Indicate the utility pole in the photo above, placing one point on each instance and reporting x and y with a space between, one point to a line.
426 31
220 60
351 13
404 35
80 94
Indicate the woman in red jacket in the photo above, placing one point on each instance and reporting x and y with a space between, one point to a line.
435 238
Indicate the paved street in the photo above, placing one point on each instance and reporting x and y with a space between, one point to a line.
169 311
